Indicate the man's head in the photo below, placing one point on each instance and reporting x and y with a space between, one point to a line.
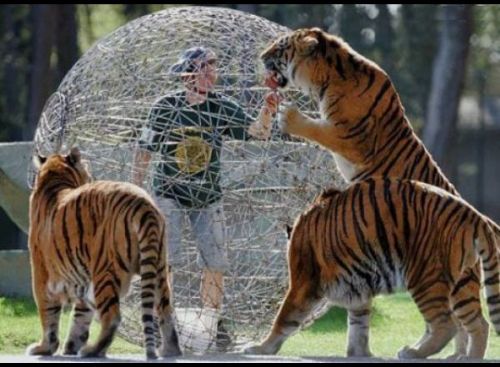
197 68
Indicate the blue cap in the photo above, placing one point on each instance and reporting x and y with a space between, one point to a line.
186 62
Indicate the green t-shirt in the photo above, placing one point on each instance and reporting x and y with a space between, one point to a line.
189 138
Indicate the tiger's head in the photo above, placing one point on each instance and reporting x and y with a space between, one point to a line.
314 60
69 169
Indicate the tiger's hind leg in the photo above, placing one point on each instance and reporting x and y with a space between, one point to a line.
79 332
358 332
49 309
107 302
466 306
433 303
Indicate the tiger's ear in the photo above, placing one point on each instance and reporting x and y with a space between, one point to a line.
307 45
38 160
310 41
74 156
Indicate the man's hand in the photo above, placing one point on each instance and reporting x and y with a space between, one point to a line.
271 102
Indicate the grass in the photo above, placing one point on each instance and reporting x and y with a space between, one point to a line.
395 322
20 326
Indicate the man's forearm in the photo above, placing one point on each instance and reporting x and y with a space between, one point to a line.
263 125
140 166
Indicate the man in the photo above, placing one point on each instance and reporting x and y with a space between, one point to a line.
188 129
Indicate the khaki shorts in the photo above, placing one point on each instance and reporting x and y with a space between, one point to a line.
207 225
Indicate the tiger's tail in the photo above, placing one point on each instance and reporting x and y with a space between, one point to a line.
150 244
487 247
164 310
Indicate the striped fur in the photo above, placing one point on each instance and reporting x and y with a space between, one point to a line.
362 119
383 234
87 240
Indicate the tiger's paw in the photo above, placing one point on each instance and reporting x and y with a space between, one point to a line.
359 353
457 357
257 349
170 351
90 351
290 118
70 348
40 349
407 353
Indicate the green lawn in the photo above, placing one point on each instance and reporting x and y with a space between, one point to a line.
395 322
20 326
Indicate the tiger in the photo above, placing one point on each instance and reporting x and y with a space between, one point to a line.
362 122
380 235
87 239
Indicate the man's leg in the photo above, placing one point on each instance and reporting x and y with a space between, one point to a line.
208 227
212 288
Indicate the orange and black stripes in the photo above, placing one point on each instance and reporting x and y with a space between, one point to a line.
91 237
383 234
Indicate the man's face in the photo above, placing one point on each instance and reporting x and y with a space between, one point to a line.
204 75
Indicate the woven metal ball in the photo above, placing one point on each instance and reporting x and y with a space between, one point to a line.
103 104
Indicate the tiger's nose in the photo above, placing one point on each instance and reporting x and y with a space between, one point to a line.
269 64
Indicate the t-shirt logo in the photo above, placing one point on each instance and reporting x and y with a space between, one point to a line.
193 154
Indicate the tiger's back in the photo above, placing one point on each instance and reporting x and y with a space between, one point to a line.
87 240
95 228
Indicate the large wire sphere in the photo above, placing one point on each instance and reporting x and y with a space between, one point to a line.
102 105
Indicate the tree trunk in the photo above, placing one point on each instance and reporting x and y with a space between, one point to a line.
385 38
447 81
12 86
44 22
67 40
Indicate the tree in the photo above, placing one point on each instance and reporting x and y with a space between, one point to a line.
384 38
447 80
66 40
416 46
54 32
44 26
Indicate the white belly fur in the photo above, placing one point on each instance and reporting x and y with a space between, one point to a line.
346 168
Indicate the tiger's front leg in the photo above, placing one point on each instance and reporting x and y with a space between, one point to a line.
296 308
323 132
302 297
294 122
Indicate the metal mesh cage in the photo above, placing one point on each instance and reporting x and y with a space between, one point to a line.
104 103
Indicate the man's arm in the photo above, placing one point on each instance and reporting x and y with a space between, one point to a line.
261 128
140 166
151 138
244 126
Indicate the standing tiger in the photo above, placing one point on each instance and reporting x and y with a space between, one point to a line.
87 240
362 122
383 234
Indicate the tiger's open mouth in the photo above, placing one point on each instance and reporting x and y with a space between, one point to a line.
275 79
